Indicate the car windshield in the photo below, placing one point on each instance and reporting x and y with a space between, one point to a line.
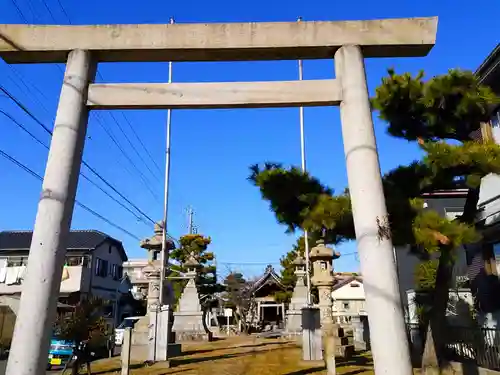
127 323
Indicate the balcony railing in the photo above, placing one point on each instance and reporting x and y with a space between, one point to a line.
12 277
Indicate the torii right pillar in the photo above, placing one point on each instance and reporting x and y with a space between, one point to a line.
387 330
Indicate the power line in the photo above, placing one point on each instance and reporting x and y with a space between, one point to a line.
86 208
48 10
91 169
81 173
19 11
64 11
141 143
108 131
29 113
137 137
132 146
115 141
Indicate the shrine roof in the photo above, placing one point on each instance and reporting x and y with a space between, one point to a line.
270 277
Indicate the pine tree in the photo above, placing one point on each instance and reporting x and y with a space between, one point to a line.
195 244
440 114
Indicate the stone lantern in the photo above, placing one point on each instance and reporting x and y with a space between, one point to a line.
300 266
157 331
153 270
334 340
298 301
322 262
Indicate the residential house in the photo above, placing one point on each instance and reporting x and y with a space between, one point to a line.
448 204
477 265
348 295
93 267
483 257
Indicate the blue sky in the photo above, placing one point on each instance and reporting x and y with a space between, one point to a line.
213 149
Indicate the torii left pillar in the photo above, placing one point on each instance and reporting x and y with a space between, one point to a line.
53 220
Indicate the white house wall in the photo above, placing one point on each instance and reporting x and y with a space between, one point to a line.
348 292
489 199
74 282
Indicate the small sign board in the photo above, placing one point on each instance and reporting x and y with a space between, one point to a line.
228 313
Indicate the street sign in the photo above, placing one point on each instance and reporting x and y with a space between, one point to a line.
228 313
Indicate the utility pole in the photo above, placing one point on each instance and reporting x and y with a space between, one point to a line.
303 165
190 219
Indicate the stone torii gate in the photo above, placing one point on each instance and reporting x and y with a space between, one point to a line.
82 47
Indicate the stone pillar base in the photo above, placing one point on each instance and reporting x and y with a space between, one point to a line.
312 349
188 326
293 326
194 336
165 345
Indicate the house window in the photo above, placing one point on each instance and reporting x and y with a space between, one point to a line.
101 267
17 261
117 271
345 305
323 266
495 119
77 261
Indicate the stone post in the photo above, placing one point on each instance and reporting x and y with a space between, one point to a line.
37 309
125 355
312 349
387 329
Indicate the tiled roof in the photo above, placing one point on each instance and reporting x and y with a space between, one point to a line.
489 67
77 240
341 281
269 277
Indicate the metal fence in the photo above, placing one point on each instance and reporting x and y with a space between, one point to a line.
480 345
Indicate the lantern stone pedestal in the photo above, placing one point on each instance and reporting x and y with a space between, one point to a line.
188 319
294 323
359 333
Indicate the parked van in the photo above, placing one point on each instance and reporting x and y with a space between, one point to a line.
128 322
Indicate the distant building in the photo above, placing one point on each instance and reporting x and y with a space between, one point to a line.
348 295
269 311
93 267
139 283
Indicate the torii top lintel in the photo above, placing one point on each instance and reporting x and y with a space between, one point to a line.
405 37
